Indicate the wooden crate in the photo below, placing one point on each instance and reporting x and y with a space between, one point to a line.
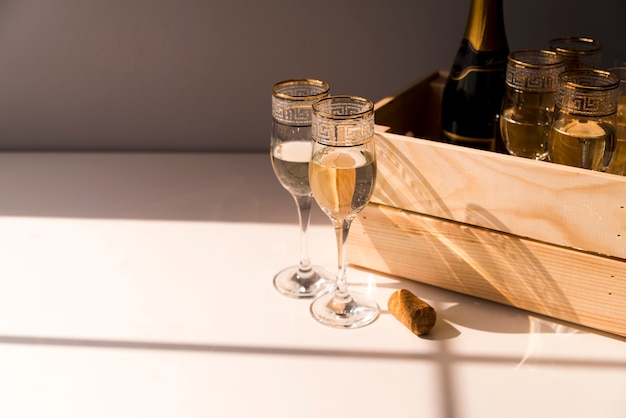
539 236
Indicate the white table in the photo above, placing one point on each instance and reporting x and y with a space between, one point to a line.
140 285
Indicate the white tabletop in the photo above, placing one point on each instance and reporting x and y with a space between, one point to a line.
140 285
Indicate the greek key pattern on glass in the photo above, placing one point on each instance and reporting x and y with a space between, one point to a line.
532 81
290 112
602 103
344 133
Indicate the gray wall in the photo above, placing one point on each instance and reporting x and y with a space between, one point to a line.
196 75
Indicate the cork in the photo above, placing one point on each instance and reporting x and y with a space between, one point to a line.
414 313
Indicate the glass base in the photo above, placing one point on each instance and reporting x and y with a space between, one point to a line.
343 310
297 284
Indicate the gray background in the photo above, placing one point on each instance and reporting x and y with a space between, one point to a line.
196 75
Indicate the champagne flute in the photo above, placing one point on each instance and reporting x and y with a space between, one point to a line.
578 52
583 130
528 105
290 152
343 174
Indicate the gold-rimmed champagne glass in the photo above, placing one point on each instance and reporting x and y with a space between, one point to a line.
290 152
528 104
578 52
585 120
343 174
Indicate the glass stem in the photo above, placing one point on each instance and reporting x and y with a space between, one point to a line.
304 216
342 227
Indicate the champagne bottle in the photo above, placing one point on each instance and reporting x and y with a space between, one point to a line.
473 93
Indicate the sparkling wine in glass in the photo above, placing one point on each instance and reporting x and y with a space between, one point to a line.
343 174
528 105
583 130
290 153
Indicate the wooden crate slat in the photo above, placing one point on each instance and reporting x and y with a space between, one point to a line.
574 286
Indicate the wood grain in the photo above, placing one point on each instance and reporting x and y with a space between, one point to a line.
562 205
574 286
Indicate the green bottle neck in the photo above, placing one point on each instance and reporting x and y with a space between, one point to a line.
485 26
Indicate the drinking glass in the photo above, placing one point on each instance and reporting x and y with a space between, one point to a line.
528 105
343 175
578 52
585 120
290 151
618 164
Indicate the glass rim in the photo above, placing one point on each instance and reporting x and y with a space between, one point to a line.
364 113
612 80
588 92
596 46
300 82
343 121
516 59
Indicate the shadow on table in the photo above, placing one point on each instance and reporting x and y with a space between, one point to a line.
456 311
444 357
285 351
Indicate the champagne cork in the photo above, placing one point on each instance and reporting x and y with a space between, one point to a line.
414 313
